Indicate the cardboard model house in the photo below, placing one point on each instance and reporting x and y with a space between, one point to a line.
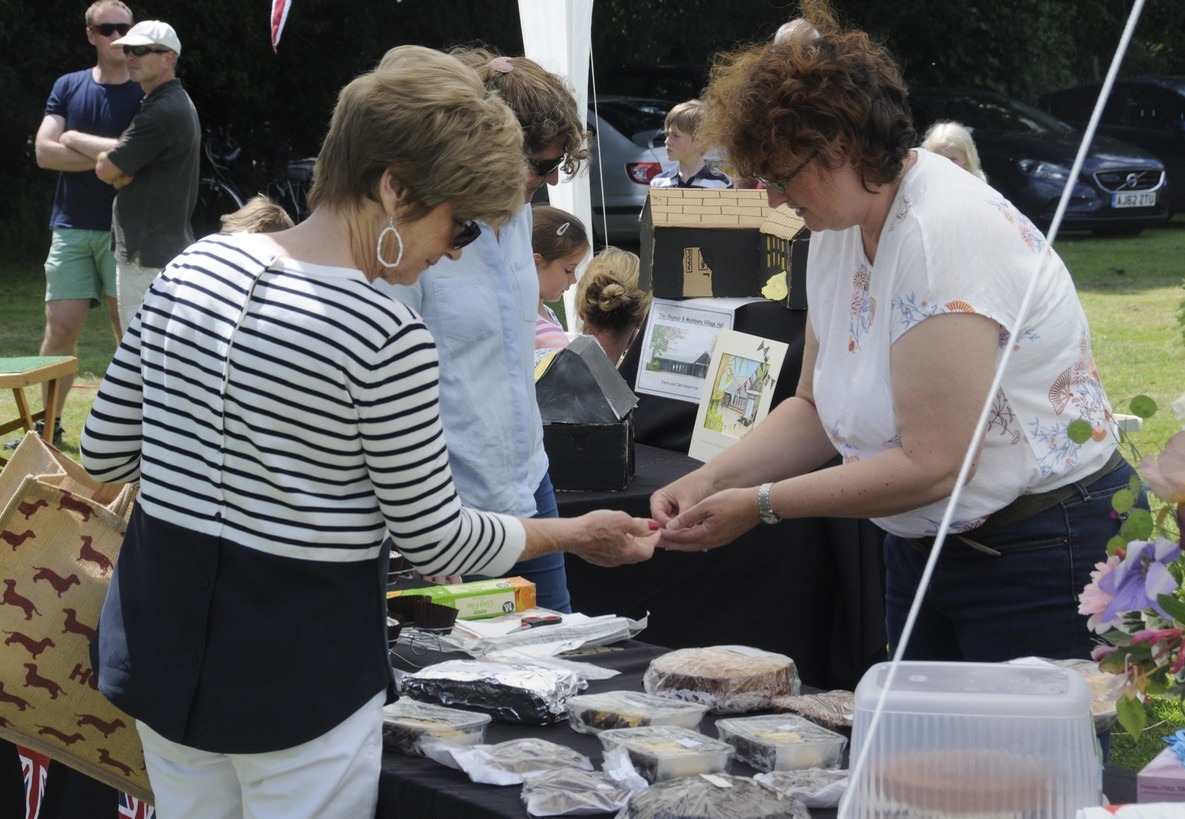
704 242
588 419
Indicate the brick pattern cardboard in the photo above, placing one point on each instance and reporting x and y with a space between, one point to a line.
700 242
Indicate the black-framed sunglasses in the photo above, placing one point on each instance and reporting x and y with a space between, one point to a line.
780 187
140 51
469 232
544 167
107 29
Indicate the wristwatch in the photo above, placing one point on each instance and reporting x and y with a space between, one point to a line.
764 507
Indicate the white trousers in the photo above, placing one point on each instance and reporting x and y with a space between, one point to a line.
335 776
131 283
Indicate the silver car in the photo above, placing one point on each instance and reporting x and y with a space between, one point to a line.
628 146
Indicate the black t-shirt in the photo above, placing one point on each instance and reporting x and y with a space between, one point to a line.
150 222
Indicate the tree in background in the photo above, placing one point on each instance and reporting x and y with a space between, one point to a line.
279 104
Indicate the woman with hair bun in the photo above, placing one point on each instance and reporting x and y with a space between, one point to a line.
610 302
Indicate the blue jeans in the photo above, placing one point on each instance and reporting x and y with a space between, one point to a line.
984 608
546 572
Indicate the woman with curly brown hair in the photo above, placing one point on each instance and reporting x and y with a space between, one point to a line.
915 276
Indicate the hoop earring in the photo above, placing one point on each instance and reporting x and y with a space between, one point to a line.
378 247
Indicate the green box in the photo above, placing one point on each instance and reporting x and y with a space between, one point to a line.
479 598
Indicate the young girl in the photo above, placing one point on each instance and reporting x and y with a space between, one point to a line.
560 243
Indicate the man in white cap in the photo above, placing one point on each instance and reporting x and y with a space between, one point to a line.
154 167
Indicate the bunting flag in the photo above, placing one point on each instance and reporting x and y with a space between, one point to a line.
132 808
34 768
279 17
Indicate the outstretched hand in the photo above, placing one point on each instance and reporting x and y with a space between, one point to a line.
716 520
614 538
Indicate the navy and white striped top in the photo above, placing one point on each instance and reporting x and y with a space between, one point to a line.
295 414
281 418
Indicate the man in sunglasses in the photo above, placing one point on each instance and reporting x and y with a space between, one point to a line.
154 167
85 114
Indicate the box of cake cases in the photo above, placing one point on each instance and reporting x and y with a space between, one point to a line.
480 598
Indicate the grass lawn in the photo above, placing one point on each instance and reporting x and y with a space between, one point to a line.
1131 289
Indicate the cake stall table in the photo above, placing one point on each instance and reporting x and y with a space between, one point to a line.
417 788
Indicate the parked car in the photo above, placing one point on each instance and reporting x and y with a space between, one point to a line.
1027 155
627 141
1145 111
628 148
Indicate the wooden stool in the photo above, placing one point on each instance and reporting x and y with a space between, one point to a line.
18 373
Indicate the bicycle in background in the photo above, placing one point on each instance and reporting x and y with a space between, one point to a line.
224 187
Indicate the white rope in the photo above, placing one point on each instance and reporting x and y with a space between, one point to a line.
600 165
856 770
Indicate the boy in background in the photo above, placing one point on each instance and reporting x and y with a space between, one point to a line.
693 171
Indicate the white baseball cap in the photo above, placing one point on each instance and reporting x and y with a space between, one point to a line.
151 32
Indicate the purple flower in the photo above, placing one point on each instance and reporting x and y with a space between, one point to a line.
1140 579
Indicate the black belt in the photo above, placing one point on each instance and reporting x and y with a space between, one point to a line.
1021 509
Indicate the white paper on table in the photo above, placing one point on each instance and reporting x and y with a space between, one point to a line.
504 639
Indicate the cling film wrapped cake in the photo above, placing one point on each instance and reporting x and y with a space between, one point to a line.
729 679
408 723
782 742
661 752
593 713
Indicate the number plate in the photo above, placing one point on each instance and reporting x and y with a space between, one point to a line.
1142 199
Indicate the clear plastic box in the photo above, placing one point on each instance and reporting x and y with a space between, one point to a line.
407 723
593 713
782 742
974 740
661 752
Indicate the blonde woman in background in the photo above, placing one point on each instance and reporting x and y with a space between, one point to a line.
952 140
610 302
259 215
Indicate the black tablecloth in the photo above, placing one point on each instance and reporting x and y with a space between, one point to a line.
416 788
811 589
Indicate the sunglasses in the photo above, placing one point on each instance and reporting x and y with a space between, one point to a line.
469 232
107 29
780 187
544 167
140 51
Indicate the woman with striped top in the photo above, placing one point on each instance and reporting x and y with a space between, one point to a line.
281 417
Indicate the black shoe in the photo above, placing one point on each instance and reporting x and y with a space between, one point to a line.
39 427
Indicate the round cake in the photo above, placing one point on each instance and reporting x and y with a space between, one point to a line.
964 782
727 679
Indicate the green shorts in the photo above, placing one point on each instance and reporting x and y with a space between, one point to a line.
80 265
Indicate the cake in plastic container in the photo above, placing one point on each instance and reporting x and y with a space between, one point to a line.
593 713
782 742
729 679
712 796
973 740
661 752
408 723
